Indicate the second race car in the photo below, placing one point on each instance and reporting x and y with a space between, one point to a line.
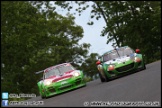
118 61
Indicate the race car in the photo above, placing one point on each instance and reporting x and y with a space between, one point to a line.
60 78
119 61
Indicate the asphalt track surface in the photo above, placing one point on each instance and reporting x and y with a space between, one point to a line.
138 87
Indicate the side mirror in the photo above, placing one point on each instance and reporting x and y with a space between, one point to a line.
98 62
137 50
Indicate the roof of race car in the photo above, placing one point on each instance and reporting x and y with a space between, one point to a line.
52 67
114 49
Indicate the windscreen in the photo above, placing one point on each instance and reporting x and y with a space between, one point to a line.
59 70
118 53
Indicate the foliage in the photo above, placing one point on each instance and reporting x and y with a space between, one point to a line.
89 65
34 36
87 79
33 40
133 23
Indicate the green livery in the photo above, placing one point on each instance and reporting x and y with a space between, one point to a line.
119 61
60 78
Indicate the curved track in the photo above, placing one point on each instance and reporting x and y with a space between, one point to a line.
142 86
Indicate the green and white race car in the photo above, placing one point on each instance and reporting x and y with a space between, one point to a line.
60 78
119 61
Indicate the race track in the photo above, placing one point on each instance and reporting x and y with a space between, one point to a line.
142 86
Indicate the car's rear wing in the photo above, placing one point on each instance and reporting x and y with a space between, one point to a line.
39 72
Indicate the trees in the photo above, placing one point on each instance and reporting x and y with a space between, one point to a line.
89 65
16 34
34 38
133 23
32 41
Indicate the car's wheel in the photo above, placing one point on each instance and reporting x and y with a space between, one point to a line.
101 78
106 78
144 67
43 97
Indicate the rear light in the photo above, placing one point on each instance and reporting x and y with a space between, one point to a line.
111 67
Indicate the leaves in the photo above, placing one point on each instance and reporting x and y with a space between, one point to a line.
34 36
33 40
